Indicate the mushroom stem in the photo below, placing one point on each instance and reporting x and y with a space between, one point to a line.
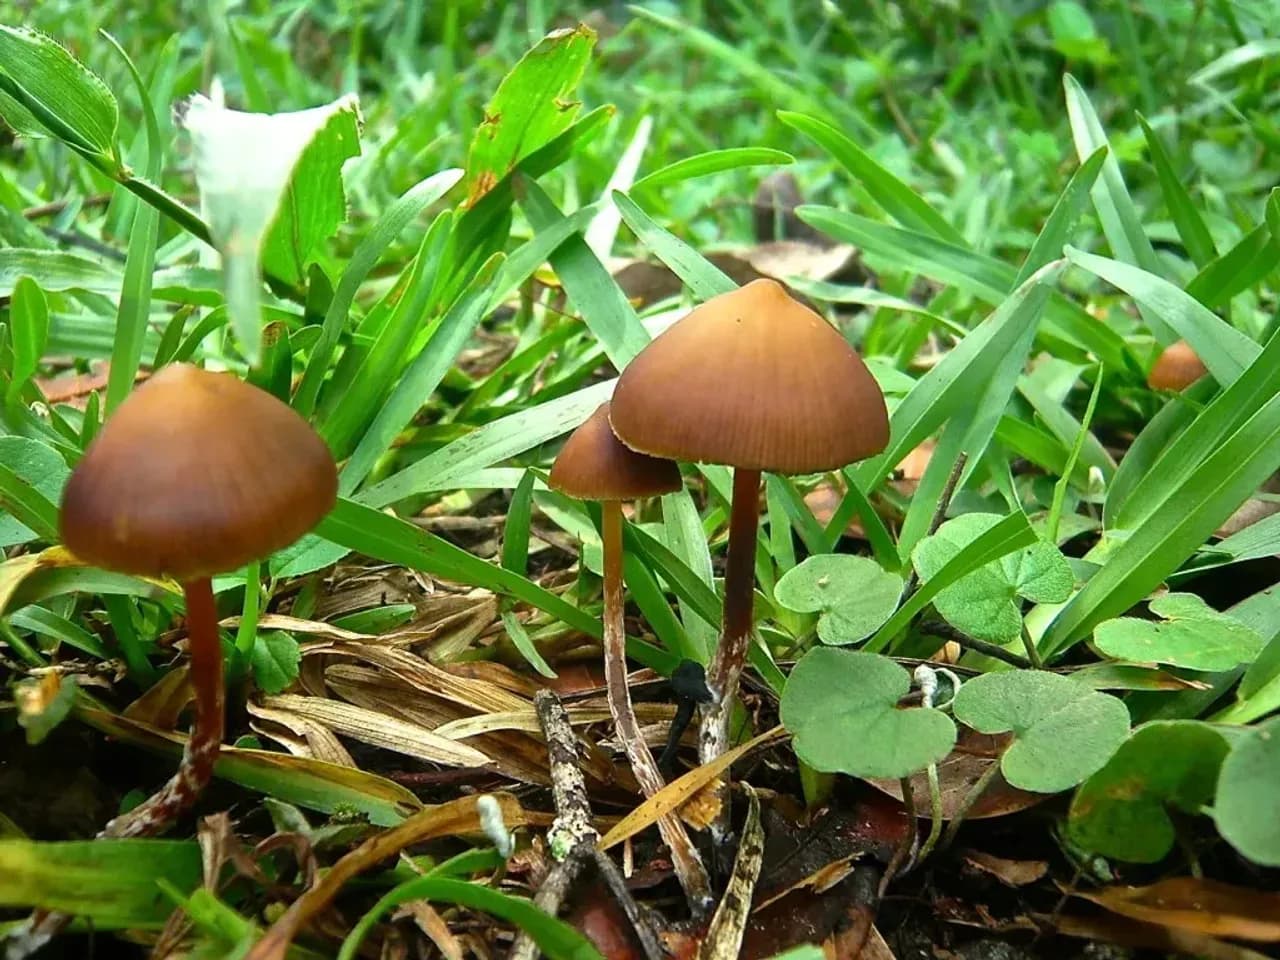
205 670
739 584
684 856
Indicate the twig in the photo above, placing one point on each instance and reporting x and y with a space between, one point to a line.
724 935
572 838
945 631
55 207
971 798
904 853
939 514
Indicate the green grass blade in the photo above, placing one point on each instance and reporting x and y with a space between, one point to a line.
702 277
494 442
1062 220
895 197
113 884
684 535
28 505
422 377
358 404
984 277
135 293
1224 349
392 540
603 306
1237 270
1225 415
1175 530
711 162
1011 533
951 385
388 226
555 938
1195 236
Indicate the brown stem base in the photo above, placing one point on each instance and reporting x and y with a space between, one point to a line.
684 855
735 638
157 812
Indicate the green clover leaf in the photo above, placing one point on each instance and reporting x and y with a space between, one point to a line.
986 604
853 596
1122 811
842 708
1062 729
1191 634
1245 808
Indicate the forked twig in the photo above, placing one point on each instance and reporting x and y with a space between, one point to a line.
572 838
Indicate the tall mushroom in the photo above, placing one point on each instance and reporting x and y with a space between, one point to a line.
754 380
593 465
196 473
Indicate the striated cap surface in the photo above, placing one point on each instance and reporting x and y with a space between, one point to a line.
595 465
196 473
752 379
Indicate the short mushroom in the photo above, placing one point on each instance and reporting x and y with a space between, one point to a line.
593 465
754 380
1177 367
196 473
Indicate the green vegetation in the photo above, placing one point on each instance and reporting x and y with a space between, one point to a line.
439 232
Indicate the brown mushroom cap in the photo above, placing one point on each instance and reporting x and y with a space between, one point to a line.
594 465
751 379
1176 368
196 473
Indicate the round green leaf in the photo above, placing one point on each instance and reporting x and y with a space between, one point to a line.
986 603
854 595
842 708
1245 809
1062 730
1122 811
1191 634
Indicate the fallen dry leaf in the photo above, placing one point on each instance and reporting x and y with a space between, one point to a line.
675 794
447 819
379 730
163 702
1150 936
969 760
1012 873
1198 905
300 735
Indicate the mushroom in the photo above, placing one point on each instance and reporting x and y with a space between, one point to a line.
196 473
593 465
1176 368
754 380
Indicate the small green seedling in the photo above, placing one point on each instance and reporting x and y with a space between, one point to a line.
1062 730
1122 811
1191 634
1245 808
853 596
842 708
986 604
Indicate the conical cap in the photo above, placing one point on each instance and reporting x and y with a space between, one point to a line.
196 473
751 379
